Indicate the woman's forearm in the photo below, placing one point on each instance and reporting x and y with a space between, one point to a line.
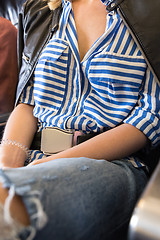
21 127
116 143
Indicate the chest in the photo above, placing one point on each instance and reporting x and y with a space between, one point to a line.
90 20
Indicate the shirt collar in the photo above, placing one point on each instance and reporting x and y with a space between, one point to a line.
65 1
106 2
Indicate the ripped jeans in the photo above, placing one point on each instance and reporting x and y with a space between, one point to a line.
77 198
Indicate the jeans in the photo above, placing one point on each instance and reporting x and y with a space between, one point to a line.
77 198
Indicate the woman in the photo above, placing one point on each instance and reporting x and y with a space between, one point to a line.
89 79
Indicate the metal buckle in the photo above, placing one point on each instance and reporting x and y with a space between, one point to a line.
54 140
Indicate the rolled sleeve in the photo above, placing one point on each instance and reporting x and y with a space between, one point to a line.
27 96
146 114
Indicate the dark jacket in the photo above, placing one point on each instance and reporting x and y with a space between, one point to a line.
36 26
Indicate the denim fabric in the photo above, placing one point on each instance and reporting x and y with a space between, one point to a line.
78 198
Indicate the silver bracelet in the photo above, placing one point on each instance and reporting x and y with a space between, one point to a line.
17 144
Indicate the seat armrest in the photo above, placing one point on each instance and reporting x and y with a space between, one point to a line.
3 120
145 221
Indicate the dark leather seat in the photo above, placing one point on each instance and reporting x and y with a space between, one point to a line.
10 9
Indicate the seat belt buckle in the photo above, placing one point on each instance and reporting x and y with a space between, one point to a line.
54 140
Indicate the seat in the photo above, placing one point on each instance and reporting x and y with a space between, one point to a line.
145 221
8 69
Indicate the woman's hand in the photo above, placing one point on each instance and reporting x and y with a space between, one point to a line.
11 157
35 162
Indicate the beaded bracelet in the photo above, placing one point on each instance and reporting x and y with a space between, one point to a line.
17 144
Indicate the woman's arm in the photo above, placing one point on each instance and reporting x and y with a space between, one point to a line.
114 144
21 127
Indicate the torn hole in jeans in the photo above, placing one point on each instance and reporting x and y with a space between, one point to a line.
13 230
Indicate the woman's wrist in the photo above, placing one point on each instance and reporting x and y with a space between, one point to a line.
8 142
11 156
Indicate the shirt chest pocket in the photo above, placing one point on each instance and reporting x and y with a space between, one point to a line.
116 78
50 75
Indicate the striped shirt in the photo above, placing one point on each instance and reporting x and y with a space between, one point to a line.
110 86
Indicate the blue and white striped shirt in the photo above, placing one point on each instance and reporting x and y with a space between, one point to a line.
110 86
